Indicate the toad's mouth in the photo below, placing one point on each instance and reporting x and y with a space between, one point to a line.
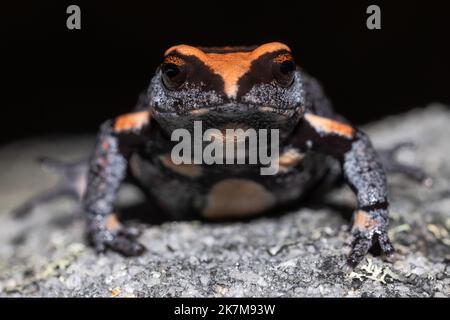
244 109
228 115
233 110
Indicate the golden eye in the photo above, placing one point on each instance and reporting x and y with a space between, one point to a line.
173 75
284 71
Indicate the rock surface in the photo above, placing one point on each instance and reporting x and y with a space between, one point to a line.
298 253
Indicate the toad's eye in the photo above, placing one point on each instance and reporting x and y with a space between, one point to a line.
173 76
283 72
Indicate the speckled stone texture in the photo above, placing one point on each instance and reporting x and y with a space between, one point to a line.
298 253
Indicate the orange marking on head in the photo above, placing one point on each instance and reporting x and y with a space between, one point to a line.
230 66
175 60
131 121
283 57
330 126
186 50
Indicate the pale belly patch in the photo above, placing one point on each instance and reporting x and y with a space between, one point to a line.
235 198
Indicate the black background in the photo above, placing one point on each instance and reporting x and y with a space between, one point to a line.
69 81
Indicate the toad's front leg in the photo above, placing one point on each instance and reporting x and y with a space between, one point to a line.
363 172
116 141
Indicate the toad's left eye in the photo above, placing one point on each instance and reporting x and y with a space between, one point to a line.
283 72
173 75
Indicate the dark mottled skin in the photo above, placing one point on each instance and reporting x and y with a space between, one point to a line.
288 96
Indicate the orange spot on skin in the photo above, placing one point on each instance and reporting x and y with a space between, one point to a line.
289 159
130 121
230 66
330 126
112 223
363 221
105 145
